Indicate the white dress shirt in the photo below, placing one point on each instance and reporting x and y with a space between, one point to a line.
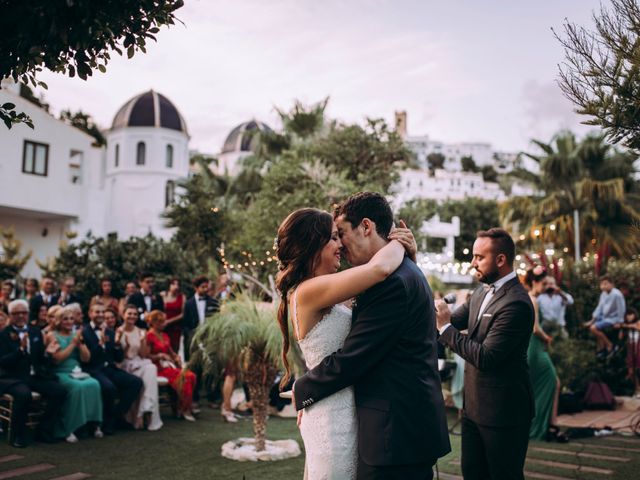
201 303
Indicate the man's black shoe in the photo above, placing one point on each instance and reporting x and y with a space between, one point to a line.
19 443
45 437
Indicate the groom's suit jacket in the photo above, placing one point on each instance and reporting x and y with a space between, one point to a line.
390 357
497 389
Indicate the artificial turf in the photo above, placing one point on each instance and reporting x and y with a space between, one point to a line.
183 450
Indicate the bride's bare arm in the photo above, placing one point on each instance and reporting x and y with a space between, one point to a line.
327 290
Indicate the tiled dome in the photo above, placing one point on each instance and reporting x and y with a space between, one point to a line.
243 137
149 109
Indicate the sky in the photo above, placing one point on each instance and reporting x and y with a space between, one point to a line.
464 70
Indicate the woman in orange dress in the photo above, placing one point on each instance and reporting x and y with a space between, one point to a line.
169 364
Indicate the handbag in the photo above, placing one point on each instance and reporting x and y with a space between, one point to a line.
599 397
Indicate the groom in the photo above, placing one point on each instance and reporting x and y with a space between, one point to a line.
390 357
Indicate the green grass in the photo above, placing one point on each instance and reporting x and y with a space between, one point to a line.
182 450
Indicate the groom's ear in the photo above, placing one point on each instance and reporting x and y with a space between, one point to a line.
368 226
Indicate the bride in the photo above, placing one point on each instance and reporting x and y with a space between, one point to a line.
312 290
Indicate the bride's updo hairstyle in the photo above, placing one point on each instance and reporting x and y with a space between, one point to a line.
301 237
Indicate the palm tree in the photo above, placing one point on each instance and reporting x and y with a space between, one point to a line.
590 178
248 331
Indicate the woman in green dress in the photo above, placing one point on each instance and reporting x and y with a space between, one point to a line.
84 400
545 382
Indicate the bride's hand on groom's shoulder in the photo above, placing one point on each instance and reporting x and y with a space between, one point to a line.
402 234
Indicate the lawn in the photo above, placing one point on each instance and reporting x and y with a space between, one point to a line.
183 450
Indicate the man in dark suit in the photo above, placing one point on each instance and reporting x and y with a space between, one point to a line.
67 294
44 297
146 300
390 357
115 384
24 368
498 398
196 310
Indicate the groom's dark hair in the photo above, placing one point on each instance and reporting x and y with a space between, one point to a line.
369 205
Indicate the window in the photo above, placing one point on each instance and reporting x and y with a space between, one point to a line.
35 158
117 161
141 151
75 167
169 156
170 193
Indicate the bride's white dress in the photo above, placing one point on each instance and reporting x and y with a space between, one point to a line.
329 427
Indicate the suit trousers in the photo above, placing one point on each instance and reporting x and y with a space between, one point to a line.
421 471
52 392
493 453
117 384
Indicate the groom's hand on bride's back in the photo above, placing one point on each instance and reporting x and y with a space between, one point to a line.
402 234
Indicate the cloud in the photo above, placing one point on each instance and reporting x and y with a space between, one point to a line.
547 111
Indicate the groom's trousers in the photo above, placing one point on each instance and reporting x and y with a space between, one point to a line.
421 471
493 453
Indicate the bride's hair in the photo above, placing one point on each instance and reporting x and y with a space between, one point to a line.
301 237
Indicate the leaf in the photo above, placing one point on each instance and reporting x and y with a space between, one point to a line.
8 106
130 51
102 68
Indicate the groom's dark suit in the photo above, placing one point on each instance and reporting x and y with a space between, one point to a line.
498 398
390 357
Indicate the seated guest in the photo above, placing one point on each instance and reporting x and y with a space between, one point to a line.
111 318
30 289
145 300
78 316
67 294
6 292
169 364
52 312
609 312
129 289
44 296
41 319
105 296
24 368
136 352
84 404
115 383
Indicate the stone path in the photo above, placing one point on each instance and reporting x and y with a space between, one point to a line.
610 457
7 471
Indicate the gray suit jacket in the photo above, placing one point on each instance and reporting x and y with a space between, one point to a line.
497 389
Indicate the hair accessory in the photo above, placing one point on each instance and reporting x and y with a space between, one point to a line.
275 249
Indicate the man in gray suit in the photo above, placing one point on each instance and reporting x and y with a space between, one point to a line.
498 398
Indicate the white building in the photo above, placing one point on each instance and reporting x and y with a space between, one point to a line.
56 181
241 143
443 185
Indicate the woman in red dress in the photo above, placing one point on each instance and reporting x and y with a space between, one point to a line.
174 308
169 364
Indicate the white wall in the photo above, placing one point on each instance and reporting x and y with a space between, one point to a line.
54 193
136 193
31 231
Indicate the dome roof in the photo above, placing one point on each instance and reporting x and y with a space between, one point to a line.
243 137
149 109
